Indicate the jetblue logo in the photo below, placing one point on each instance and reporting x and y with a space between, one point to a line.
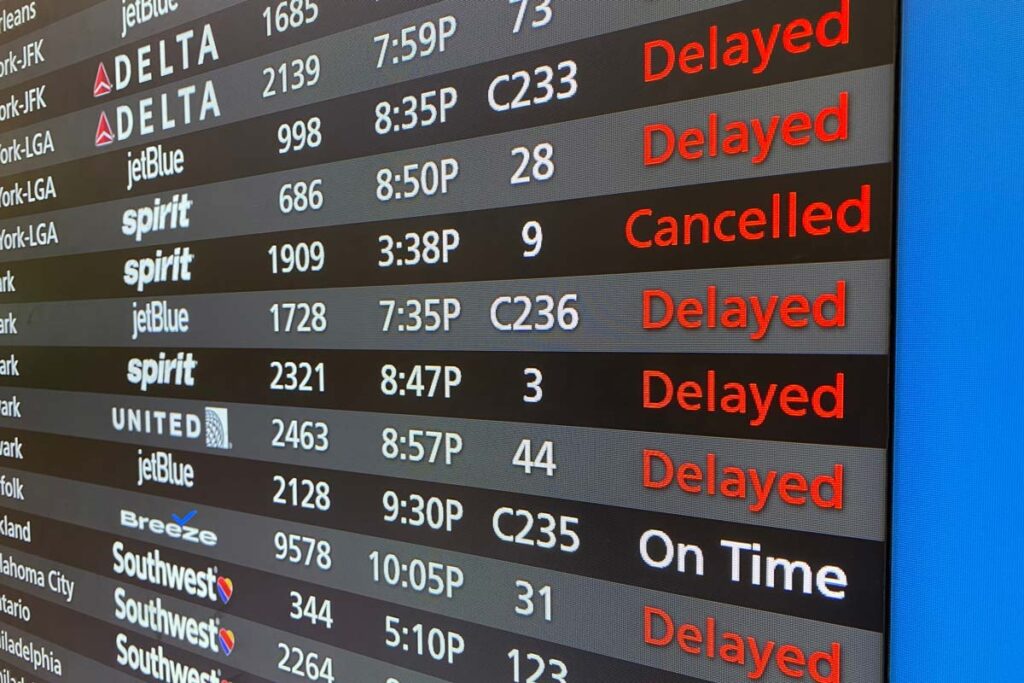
137 12
160 467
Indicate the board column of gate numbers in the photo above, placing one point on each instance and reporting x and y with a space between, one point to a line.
428 341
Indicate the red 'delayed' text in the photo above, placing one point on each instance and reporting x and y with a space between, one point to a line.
751 399
754 49
756 658
755 137
751 486
753 314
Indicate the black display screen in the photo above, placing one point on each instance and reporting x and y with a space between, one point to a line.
519 341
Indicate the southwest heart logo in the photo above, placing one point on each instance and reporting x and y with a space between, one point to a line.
104 133
227 641
103 86
225 589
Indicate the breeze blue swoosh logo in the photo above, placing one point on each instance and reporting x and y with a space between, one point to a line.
182 521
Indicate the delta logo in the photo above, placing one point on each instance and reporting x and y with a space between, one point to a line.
104 132
167 111
103 85
163 59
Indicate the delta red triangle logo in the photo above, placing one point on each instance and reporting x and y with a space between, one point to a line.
103 86
104 133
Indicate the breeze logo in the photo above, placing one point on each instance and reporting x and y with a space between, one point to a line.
178 371
179 529
152 569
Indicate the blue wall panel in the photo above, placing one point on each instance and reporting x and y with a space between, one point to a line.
958 572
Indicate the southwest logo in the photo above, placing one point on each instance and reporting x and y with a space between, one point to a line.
104 133
225 589
103 85
227 641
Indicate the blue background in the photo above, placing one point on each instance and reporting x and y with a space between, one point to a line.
958 544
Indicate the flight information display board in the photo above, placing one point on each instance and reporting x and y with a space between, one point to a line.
409 341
